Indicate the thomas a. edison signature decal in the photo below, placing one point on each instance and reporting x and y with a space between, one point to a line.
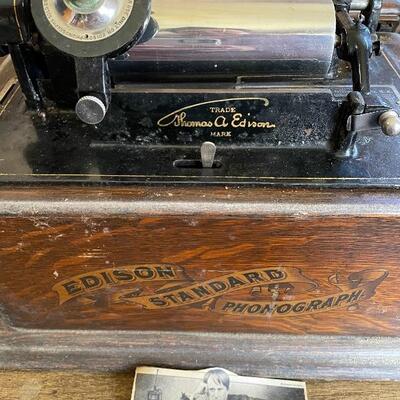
259 291
221 117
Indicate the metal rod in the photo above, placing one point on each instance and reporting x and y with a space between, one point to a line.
359 5
276 37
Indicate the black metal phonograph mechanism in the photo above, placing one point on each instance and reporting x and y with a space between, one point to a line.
258 92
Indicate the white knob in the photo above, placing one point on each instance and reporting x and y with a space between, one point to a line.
390 123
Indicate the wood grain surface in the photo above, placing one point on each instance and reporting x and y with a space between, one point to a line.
60 237
67 386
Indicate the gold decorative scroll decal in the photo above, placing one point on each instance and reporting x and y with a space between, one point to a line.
89 283
358 286
220 294
223 285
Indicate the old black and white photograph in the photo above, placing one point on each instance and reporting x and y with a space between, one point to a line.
211 384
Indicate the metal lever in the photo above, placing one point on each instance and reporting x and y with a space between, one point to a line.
357 117
208 151
355 46
387 120
357 41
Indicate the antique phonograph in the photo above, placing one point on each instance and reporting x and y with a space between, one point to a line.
184 178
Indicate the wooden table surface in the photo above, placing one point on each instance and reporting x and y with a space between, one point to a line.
70 386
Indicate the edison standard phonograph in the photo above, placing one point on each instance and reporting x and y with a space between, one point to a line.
216 91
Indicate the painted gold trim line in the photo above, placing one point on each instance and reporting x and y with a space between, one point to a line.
10 83
391 64
274 178
17 19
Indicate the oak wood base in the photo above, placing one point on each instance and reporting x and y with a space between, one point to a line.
286 283
105 386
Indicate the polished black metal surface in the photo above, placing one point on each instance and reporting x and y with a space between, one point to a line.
61 149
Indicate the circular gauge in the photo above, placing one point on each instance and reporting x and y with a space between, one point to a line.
90 28
87 21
